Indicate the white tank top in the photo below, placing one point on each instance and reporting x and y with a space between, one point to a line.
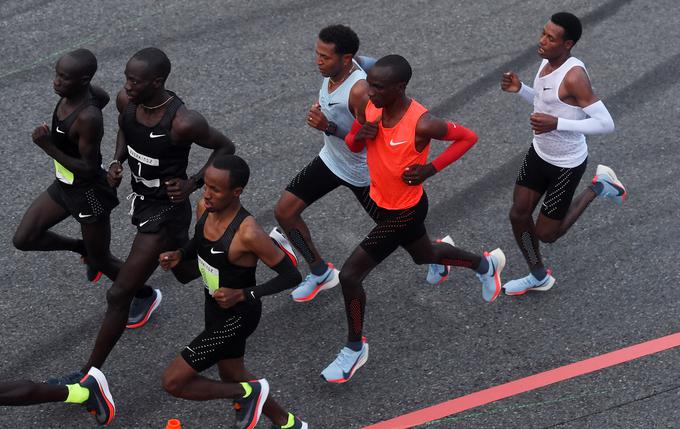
565 149
347 165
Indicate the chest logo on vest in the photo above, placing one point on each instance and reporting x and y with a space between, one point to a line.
60 131
215 252
155 136
393 143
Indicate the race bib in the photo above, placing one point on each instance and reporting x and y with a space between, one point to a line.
63 174
210 275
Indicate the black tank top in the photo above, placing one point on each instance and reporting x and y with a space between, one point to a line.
213 258
152 155
61 139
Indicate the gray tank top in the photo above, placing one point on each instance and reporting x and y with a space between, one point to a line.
347 165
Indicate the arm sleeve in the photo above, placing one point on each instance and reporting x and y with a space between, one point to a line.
599 121
287 277
527 93
352 144
463 139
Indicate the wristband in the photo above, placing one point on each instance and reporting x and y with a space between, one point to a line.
331 128
115 161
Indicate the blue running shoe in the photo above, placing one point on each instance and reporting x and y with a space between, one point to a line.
312 285
612 187
282 242
529 283
293 423
438 273
141 309
100 403
346 364
72 378
249 408
491 281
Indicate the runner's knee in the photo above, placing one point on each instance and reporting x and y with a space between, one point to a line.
172 383
519 214
118 296
23 240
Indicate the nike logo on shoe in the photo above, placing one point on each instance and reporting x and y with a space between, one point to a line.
155 136
215 252
82 216
60 131
393 143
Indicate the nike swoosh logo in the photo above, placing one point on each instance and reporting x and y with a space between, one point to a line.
60 131
393 143
615 186
155 136
332 104
545 89
144 223
215 252
82 216
252 293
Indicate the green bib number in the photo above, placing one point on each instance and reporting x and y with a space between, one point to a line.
63 174
210 275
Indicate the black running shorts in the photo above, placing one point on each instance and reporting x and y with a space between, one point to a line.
225 334
86 202
395 228
152 216
557 183
316 180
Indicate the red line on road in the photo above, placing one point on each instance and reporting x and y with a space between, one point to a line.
527 384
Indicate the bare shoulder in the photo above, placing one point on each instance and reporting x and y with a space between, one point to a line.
188 124
250 232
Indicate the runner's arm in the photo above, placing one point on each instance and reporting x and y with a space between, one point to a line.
578 86
434 128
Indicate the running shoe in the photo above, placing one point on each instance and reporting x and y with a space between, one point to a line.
293 423
312 285
72 378
93 274
612 187
283 243
529 283
100 403
141 309
249 409
346 364
491 281
438 273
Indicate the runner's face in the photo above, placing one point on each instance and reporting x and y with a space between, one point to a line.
382 91
68 79
551 44
217 192
328 62
140 84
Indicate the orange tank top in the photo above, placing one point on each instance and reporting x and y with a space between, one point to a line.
388 155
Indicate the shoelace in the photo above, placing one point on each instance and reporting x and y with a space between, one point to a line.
344 358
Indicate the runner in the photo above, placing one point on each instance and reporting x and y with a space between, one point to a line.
226 246
396 134
343 96
80 189
565 108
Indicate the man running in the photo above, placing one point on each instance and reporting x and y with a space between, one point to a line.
226 246
343 96
155 136
565 109
80 189
396 134
92 392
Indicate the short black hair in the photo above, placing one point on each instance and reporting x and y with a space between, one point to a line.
238 169
344 38
570 23
401 69
156 60
86 60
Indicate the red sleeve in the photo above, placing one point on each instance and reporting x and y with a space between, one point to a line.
352 144
463 139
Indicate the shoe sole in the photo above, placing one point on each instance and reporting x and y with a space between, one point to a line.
154 306
498 253
603 169
543 288
91 279
104 389
362 360
261 399
328 285
283 244
447 240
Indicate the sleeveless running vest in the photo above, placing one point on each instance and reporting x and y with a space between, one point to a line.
60 138
392 150
152 156
347 165
213 258
566 149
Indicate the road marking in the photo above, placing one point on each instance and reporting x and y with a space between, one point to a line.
529 383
